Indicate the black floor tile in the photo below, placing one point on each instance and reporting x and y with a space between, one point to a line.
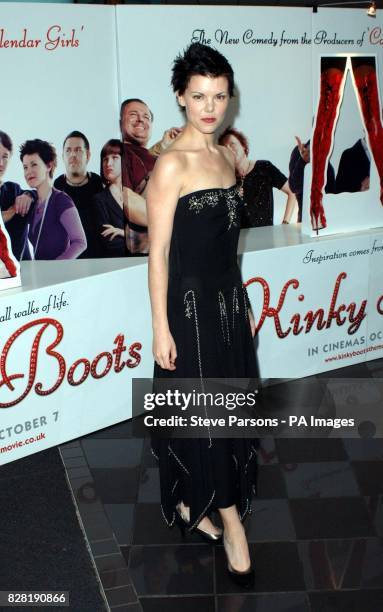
374 504
369 475
75 462
370 449
109 563
270 521
365 569
121 595
277 568
172 570
68 452
265 602
291 451
342 564
78 472
113 453
120 517
98 526
321 479
115 578
116 485
176 604
345 517
270 482
149 488
104 547
347 601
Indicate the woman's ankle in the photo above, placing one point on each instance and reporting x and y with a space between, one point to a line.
232 532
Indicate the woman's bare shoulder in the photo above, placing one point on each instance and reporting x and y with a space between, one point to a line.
167 176
171 160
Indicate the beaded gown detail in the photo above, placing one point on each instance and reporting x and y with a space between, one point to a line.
208 319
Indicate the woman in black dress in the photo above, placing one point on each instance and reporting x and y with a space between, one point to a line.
257 180
108 204
202 322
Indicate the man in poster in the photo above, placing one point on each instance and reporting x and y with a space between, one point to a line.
81 186
136 120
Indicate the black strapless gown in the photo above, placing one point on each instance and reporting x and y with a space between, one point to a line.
208 318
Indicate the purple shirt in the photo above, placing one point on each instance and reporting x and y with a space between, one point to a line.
62 235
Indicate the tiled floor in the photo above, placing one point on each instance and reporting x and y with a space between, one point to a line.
316 532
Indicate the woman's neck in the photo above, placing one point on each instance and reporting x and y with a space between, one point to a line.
197 139
116 191
43 190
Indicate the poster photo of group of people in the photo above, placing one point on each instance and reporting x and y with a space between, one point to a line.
60 157
77 214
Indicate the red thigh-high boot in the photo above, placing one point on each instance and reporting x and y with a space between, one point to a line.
332 76
364 70
4 255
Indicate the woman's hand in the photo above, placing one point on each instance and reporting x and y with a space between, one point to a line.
23 203
252 322
164 349
112 231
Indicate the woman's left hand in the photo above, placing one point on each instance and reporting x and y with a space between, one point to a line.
252 322
112 232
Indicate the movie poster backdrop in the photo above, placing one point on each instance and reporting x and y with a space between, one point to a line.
317 311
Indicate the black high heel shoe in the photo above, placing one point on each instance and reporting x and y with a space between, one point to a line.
244 579
183 523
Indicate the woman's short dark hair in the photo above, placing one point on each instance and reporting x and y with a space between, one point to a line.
112 147
45 150
6 141
202 60
230 131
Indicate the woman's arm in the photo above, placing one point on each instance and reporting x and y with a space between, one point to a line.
134 207
163 192
71 222
8 214
290 202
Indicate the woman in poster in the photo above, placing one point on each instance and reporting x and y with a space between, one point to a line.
55 229
202 321
257 180
14 204
108 204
